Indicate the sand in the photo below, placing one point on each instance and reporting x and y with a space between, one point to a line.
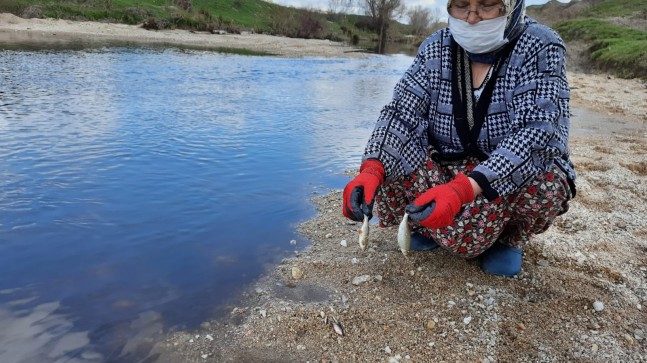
581 295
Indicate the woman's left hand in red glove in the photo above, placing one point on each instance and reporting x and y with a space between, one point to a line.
437 207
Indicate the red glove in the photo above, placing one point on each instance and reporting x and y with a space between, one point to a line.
359 193
437 207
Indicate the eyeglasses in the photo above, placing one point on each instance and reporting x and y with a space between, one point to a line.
483 12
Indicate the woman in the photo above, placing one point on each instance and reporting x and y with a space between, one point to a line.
474 144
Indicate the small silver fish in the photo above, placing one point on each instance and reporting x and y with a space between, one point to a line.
337 327
404 235
363 234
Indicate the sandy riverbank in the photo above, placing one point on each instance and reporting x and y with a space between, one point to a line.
16 30
432 306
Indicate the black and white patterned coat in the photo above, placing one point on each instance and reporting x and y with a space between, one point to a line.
525 129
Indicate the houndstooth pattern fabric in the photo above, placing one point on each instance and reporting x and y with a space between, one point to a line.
526 128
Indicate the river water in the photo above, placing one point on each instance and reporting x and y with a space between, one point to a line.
143 188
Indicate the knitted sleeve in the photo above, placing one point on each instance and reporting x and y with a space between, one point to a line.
540 116
399 139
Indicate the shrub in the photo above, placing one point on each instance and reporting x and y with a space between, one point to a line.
185 5
33 11
153 24
309 25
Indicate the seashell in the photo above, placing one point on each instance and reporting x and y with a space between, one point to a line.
297 274
404 235
363 234
337 328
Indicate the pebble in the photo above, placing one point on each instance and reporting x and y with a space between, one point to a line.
297 274
594 326
209 337
205 325
467 320
344 243
628 338
521 326
263 313
387 350
594 348
361 279
354 260
431 325
328 235
205 356
598 306
639 334
301 347
293 242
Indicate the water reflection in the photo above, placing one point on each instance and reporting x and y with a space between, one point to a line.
140 190
42 334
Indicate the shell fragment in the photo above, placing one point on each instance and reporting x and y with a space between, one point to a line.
363 234
404 235
337 327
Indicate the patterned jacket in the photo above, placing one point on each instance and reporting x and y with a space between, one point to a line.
525 126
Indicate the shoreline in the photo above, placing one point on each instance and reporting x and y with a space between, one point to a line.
52 32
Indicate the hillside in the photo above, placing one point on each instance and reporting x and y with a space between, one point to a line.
607 35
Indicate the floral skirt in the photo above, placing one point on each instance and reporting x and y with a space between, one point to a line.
510 219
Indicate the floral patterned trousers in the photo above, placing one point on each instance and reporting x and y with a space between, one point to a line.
510 219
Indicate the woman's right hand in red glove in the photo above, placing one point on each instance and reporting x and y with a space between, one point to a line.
359 194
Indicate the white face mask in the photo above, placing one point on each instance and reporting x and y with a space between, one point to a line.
482 37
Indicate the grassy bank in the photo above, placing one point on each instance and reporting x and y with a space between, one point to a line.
233 16
613 30
613 48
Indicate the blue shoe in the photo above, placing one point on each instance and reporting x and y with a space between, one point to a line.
502 260
422 243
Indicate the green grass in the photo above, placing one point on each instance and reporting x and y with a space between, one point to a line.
620 50
617 8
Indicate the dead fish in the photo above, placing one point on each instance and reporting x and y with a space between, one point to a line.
363 234
337 327
404 235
